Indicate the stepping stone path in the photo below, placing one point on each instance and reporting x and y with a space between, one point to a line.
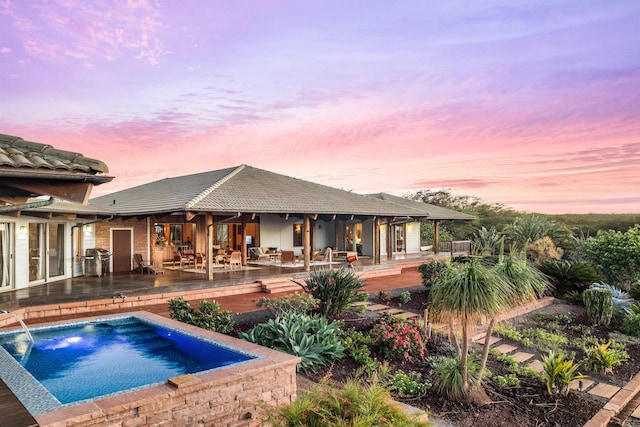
604 390
381 308
588 385
506 348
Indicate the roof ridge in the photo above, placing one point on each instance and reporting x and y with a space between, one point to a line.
217 184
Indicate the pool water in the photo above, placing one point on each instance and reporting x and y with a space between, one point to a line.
90 360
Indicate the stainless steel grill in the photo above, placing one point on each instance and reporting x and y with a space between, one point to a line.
96 262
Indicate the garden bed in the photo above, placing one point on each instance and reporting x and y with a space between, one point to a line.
527 405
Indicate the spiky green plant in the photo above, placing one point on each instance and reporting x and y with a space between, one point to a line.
354 405
599 304
559 372
569 276
335 290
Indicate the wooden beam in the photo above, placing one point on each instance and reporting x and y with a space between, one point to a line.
436 237
14 200
286 217
68 190
190 215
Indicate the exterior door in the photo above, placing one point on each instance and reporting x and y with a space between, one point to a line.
122 241
55 250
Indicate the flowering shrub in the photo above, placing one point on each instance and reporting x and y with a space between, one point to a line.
397 338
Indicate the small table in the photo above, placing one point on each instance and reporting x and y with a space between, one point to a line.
273 257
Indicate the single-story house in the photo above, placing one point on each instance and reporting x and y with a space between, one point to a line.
234 208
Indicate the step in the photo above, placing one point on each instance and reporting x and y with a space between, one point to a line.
272 286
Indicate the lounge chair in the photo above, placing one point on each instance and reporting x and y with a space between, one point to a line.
137 259
200 260
256 253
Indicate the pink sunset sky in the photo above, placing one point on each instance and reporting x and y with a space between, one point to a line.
532 104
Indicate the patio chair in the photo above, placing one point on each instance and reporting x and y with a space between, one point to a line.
200 260
288 256
235 260
137 259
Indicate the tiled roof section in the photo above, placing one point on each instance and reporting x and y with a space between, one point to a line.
430 211
18 153
66 207
245 189
165 195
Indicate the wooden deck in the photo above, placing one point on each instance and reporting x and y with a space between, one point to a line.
14 414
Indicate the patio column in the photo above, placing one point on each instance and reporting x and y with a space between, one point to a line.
307 242
389 250
208 224
436 236
376 241
243 246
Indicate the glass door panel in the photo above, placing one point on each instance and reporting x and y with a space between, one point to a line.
6 256
36 252
56 250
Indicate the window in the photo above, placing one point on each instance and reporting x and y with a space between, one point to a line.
297 234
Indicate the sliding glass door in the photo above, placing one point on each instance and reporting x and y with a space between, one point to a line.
46 251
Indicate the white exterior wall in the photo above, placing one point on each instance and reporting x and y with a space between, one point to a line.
278 232
412 239
324 234
383 240
20 250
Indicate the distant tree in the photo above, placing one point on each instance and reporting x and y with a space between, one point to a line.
530 227
616 256
487 215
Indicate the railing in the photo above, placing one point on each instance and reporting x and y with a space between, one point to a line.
455 247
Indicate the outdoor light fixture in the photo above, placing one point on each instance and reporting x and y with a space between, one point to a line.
88 230
23 231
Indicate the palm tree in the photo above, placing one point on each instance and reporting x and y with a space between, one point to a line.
523 282
466 292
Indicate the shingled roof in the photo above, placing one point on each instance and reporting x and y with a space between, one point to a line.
29 169
431 212
245 189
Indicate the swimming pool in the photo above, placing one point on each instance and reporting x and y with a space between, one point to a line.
93 359
75 362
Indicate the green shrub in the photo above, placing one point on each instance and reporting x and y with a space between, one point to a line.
558 373
447 376
431 271
407 385
543 340
335 290
405 297
311 338
298 303
569 276
616 255
209 315
354 405
511 333
631 324
506 381
604 357
599 303
357 345
398 338
634 290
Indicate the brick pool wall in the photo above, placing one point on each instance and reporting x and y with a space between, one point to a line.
231 396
